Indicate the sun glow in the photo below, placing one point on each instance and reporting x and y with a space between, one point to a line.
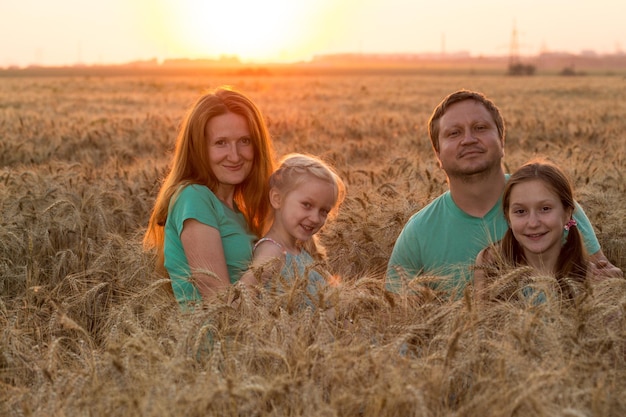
253 30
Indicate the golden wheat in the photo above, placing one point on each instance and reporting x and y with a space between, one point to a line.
89 328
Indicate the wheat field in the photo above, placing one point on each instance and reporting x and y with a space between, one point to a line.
89 329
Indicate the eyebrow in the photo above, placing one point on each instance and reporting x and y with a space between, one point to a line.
480 120
535 202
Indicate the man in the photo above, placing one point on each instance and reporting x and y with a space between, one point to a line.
443 239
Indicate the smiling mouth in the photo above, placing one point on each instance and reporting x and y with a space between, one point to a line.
470 153
233 167
535 235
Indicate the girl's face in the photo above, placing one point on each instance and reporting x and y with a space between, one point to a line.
537 219
302 212
231 151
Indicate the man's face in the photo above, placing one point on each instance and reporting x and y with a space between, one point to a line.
469 142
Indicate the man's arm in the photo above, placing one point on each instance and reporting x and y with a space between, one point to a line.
601 267
586 230
404 261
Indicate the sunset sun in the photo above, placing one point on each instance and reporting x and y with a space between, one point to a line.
252 30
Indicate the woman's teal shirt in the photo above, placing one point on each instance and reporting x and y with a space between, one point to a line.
198 202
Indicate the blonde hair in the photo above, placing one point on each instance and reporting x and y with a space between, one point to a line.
293 170
191 165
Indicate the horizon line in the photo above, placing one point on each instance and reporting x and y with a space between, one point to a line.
234 59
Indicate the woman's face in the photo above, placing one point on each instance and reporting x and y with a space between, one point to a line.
537 218
231 151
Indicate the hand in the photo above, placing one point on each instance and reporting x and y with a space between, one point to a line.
602 268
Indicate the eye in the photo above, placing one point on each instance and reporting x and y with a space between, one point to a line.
453 133
480 128
546 208
306 205
219 142
519 211
246 141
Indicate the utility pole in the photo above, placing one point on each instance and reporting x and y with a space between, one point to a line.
515 63
514 59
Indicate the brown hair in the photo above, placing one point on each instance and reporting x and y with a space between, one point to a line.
456 97
572 262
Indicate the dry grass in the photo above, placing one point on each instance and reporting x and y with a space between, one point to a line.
88 329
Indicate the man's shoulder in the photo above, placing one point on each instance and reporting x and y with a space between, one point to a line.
434 208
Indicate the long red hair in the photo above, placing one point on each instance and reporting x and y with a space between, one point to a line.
190 164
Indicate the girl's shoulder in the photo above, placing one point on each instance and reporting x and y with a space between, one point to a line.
487 255
266 248
267 253
269 241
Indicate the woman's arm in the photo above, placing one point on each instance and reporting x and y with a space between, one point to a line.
205 253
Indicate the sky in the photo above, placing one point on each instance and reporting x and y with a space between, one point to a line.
69 32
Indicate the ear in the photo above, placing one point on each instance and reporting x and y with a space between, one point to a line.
275 198
569 212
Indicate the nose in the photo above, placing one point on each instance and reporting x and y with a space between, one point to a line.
318 217
233 152
468 137
533 219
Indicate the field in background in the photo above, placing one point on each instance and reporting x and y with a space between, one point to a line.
89 329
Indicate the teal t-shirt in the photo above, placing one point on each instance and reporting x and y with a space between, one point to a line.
443 240
299 266
198 202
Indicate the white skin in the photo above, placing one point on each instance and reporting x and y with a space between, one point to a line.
537 219
298 215
471 152
231 154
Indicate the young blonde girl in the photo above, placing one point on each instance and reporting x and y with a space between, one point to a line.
304 193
